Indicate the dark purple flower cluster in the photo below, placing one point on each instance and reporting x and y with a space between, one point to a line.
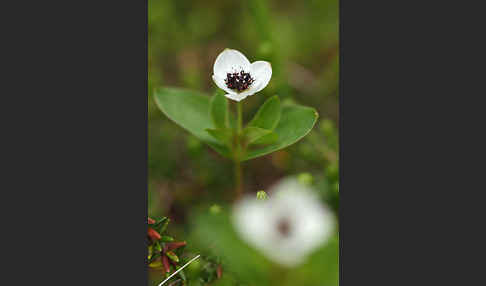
239 81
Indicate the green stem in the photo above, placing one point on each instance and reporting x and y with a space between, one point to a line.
239 151
240 117
238 181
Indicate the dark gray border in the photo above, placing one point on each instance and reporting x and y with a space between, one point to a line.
78 169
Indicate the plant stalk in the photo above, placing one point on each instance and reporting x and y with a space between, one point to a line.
238 181
239 151
240 118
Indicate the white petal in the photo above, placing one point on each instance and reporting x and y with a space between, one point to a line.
236 96
250 91
254 88
261 71
221 84
230 61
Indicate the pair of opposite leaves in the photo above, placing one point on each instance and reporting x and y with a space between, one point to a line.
274 127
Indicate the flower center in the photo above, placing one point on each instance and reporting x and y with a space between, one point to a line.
283 227
239 81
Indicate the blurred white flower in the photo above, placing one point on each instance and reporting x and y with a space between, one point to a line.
234 73
287 226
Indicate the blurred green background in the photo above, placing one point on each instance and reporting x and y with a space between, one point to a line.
301 40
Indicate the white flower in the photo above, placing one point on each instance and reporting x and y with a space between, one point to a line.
288 226
234 73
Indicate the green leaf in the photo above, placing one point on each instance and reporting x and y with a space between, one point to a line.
156 264
181 273
251 134
172 256
267 139
161 225
150 251
158 224
158 248
218 110
190 110
222 135
321 267
154 257
166 238
268 116
295 123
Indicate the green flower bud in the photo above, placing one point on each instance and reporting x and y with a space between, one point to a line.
261 195
215 209
305 179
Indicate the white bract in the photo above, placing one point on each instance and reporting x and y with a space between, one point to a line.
287 226
234 73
